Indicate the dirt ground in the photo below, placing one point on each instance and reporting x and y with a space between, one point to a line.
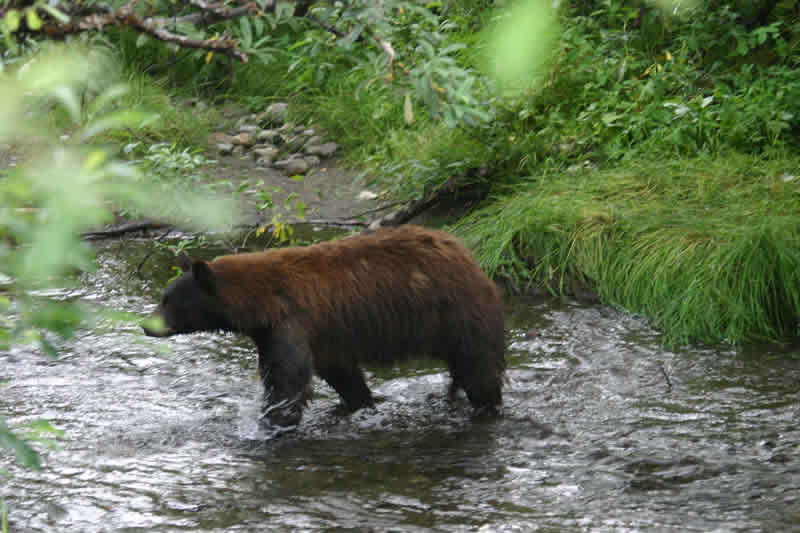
330 192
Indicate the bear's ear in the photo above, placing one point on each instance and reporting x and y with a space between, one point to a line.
203 275
184 261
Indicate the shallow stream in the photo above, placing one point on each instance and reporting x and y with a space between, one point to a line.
603 429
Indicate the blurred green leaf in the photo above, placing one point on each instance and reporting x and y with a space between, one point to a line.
521 43
117 120
25 454
300 210
12 20
57 14
155 323
32 19
64 188
59 317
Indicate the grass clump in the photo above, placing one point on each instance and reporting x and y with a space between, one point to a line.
709 249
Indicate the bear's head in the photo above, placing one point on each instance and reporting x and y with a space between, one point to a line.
189 304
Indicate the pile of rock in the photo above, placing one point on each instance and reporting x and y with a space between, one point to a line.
275 143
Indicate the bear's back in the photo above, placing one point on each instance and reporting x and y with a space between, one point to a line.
385 287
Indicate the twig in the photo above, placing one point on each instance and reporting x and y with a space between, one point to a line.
384 45
377 209
152 251
329 27
155 26
666 377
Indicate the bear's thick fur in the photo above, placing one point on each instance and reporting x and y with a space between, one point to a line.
377 297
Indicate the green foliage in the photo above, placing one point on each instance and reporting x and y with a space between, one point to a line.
63 186
13 18
283 213
620 83
180 124
292 57
709 249
700 82
166 160
516 61
25 454
39 431
428 157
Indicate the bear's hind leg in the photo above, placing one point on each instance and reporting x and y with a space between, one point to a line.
349 383
285 368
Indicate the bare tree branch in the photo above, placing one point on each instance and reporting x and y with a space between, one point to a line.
130 227
155 26
97 17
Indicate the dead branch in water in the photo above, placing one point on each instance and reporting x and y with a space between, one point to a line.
417 207
124 229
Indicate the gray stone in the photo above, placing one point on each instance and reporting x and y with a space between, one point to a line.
312 160
267 152
322 150
270 136
579 167
252 117
248 128
238 150
292 165
243 139
219 137
366 195
297 166
296 142
224 148
308 132
275 114
314 139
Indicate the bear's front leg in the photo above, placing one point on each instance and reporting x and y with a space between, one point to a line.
285 368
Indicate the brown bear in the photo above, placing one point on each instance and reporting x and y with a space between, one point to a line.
377 297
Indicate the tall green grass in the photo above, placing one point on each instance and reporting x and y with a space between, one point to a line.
708 249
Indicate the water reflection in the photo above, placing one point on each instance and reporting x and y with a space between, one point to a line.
603 430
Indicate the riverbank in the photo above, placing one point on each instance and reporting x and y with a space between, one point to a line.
646 165
708 248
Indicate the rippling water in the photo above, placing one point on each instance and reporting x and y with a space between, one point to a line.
603 430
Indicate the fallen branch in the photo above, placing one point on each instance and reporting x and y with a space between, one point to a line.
145 225
123 229
416 207
331 223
